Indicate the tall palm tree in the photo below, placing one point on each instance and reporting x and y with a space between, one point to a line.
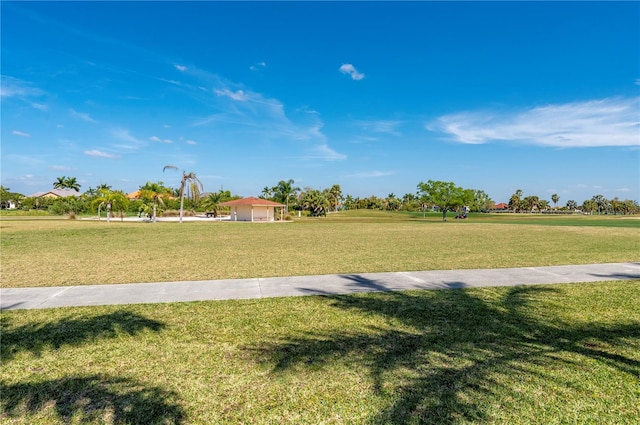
283 191
72 183
67 183
60 183
555 198
194 186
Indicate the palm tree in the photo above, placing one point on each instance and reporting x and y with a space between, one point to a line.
66 183
112 201
283 191
555 198
155 193
72 183
60 183
194 186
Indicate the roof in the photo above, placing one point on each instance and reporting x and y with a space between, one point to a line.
134 195
501 206
61 193
251 201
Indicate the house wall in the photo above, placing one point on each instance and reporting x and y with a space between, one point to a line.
243 213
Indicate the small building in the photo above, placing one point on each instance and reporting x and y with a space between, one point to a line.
56 193
253 209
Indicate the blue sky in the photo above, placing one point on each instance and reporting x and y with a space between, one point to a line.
373 96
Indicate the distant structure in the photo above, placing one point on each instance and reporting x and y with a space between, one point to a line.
56 193
253 209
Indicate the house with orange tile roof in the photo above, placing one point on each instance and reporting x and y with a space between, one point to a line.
253 209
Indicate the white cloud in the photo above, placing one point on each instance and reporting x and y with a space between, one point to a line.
258 65
190 142
40 106
100 154
14 87
347 68
125 136
370 174
181 68
60 168
20 133
238 95
82 116
159 140
381 126
324 152
602 122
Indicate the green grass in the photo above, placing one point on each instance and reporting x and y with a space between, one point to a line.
35 252
552 354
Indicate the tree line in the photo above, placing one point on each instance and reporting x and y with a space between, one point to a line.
156 198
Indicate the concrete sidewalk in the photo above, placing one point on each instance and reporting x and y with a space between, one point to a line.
141 293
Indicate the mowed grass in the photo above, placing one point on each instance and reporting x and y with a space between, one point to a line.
548 354
36 252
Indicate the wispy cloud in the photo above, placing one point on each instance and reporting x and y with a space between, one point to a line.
258 66
82 116
324 152
603 122
60 168
20 133
351 70
14 87
100 154
40 106
370 174
181 68
124 135
238 95
381 126
159 140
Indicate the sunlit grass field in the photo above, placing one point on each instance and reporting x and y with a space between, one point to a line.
552 354
548 354
45 252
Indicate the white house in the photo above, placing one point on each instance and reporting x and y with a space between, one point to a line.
253 209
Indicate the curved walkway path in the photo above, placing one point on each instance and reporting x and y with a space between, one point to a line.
140 293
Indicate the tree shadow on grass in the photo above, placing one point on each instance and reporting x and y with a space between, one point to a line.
37 337
83 399
92 399
450 350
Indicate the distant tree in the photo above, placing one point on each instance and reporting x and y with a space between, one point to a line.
393 203
316 202
572 205
111 201
543 205
211 202
334 196
60 183
190 182
515 201
153 193
445 195
67 183
481 201
349 202
589 205
601 202
530 203
555 198
282 192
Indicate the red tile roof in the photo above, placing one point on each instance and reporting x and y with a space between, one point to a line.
251 201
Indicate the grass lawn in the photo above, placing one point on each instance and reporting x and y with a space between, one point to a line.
567 353
45 252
